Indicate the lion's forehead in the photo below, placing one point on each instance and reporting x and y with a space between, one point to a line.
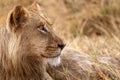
41 17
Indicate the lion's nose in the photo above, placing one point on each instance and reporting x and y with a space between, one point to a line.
61 45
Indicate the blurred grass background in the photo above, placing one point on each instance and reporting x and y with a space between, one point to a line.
89 26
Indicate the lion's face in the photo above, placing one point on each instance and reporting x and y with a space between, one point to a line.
36 33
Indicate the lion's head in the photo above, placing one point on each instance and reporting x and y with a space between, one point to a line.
27 43
33 34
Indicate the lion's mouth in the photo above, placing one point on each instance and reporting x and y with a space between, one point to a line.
53 60
51 56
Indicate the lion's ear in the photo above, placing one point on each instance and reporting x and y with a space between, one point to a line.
17 17
35 7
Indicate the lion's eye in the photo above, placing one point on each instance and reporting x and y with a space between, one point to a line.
42 28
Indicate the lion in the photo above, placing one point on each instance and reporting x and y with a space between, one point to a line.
27 41
30 50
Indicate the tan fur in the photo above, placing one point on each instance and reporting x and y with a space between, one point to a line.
29 52
74 66
71 67
80 66
25 45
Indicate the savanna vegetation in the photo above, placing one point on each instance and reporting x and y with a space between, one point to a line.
88 26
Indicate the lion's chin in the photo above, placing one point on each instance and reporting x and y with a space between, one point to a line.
54 61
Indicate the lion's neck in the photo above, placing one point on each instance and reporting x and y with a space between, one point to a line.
18 64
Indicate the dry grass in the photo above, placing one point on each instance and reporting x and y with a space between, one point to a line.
89 26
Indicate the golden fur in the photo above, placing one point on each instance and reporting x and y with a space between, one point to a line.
80 66
26 41
29 50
